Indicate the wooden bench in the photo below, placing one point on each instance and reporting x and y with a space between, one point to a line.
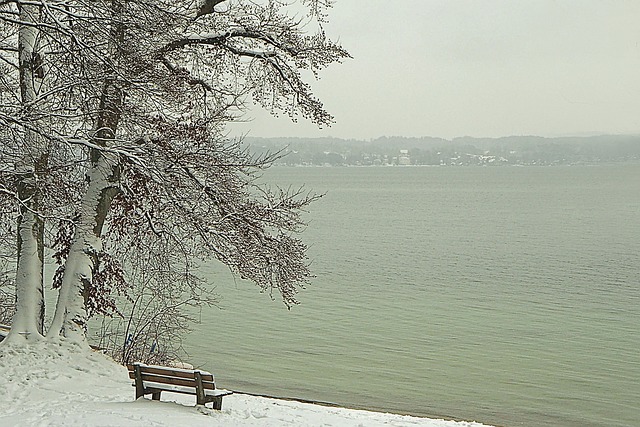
153 380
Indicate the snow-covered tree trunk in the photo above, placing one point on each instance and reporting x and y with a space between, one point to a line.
70 319
28 320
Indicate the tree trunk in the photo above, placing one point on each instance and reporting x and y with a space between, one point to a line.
28 320
70 319
29 316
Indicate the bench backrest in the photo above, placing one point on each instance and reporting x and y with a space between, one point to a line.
173 376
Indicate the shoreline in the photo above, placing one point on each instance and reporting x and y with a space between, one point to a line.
328 404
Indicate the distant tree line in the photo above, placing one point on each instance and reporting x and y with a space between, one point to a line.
465 151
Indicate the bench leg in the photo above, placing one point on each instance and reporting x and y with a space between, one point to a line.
156 395
217 403
139 384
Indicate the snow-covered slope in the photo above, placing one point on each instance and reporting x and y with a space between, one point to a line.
55 385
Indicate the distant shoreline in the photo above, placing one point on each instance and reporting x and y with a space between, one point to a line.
399 151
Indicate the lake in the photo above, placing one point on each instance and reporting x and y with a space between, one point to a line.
505 295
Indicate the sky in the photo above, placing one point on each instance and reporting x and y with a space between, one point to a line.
490 68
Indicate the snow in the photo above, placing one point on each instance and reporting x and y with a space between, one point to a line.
55 383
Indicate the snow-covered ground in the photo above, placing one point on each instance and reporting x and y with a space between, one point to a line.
54 386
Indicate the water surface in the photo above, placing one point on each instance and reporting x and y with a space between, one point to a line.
506 295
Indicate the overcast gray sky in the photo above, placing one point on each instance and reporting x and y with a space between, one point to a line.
450 68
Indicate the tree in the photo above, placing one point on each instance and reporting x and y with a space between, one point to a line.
127 156
27 167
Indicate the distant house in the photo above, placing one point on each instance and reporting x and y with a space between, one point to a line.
403 158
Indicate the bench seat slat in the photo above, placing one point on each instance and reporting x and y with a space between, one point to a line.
185 382
151 386
171 372
166 368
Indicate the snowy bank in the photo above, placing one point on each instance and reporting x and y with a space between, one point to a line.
50 385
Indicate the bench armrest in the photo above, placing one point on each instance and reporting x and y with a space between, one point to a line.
219 392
